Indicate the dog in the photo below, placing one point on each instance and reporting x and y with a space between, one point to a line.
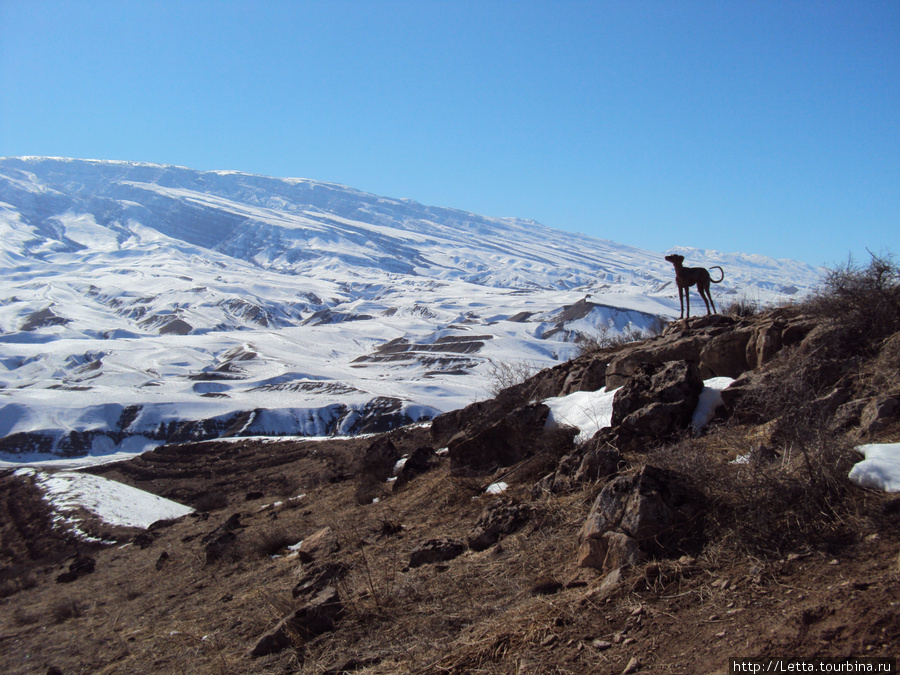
685 277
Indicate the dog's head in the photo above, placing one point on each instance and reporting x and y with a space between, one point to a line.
675 259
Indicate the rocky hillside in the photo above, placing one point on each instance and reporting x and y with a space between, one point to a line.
491 541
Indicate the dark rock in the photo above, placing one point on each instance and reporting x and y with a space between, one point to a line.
499 518
419 461
143 540
657 402
436 550
317 616
635 515
317 577
161 560
379 459
502 443
725 355
878 413
590 376
79 567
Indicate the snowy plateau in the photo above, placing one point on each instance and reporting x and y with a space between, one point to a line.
144 304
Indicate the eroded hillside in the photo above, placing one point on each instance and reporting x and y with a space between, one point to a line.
647 548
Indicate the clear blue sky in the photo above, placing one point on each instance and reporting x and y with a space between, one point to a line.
757 126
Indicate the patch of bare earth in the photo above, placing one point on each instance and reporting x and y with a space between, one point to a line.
164 604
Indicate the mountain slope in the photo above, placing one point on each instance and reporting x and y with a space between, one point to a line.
146 303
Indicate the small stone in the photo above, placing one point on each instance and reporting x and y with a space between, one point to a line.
628 641
600 645
549 640
633 666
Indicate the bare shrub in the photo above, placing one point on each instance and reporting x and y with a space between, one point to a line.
743 307
271 540
504 375
66 609
792 499
606 337
861 302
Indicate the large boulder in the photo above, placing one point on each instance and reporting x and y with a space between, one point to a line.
657 402
503 443
636 515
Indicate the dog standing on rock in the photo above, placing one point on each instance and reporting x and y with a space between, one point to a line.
685 277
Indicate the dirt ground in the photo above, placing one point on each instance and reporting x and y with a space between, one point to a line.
158 603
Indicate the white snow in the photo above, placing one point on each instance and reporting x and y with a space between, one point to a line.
113 502
880 470
290 287
587 411
710 399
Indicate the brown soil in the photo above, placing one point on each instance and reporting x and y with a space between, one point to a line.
520 606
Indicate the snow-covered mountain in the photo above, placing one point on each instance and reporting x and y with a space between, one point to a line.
143 303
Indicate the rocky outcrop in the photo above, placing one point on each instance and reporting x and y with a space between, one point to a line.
503 443
635 516
721 346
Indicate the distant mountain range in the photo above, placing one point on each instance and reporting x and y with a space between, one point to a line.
144 303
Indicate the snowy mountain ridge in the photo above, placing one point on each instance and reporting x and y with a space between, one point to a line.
143 303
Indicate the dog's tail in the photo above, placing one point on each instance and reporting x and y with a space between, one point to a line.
719 280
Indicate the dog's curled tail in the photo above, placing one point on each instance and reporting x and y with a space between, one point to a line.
719 280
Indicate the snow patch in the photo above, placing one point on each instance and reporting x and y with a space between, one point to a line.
880 470
114 503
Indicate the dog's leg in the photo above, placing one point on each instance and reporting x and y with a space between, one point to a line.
687 300
703 290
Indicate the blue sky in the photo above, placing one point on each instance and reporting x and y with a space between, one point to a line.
759 127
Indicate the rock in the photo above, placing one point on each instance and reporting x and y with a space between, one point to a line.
764 343
419 461
161 560
612 580
502 443
848 414
317 616
80 566
725 355
590 376
321 543
658 401
142 540
436 550
379 459
599 460
878 413
220 547
317 577
635 515
654 352
498 519
633 666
